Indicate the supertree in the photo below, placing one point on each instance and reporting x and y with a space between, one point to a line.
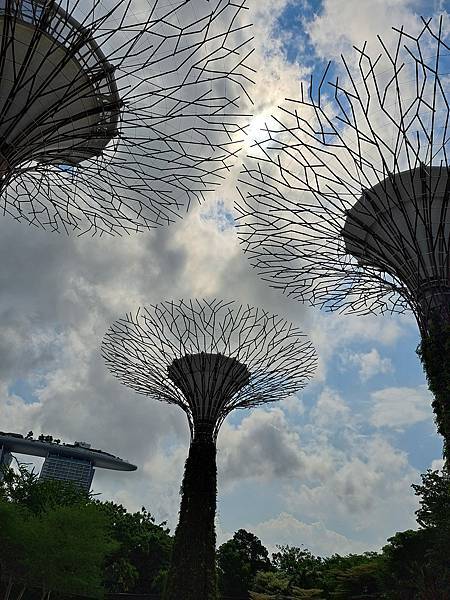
344 203
209 358
114 116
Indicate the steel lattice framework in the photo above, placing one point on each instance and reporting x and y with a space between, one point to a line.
344 202
115 116
209 357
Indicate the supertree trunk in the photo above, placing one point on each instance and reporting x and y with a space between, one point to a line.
192 574
434 352
209 357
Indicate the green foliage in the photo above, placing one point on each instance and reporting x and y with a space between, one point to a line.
14 536
238 561
311 594
44 525
272 585
303 568
67 550
60 549
56 538
418 561
192 573
135 559
434 353
140 564
418 571
434 494
330 577
361 581
23 487
333 566
294 594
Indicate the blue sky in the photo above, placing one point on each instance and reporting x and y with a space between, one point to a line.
296 42
330 469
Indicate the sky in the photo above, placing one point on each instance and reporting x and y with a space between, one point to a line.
330 468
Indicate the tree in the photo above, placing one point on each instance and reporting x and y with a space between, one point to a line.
14 537
141 561
417 565
361 581
67 550
61 549
303 568
273 585
24 487
333 566
434 494
28 505
238 561
295 594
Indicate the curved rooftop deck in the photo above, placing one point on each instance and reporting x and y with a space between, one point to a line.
15 442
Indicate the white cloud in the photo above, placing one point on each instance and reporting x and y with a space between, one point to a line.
329 477
262 447
293 405
332 332
331 410
369 364
367 494
344 23
399 407
285 529
437 464
15 414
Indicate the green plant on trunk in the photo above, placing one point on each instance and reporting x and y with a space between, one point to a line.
192 574
434 353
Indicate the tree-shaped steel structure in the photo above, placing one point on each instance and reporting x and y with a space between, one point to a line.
114 116
208 357
345 202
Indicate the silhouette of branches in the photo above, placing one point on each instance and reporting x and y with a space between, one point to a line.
343 202
115 116
262 357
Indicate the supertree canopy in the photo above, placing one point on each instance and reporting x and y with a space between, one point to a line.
208 357
345 201
114 116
